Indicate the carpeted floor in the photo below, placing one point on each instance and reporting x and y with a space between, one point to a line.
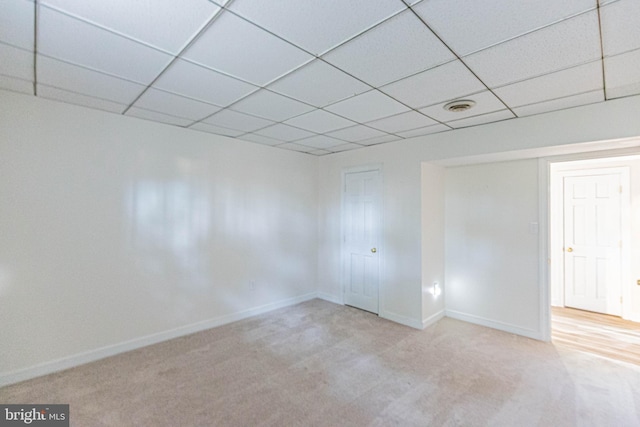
321 364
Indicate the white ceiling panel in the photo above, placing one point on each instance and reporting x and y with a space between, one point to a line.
157 117
198 82
296 147
496 116
271 106
16 23
167 25
320 121
583 78
16 62
356 133
16 85
175 105
486 102
479 24
320 141
316 26
402 122
379 140
261 139
284 132
395 49
239 121
344 147
620 26
88 82
622 74
424 131
79 99
561 103
438 84
236 47
319 84
319 152
369 106
563 45
72 40
216 130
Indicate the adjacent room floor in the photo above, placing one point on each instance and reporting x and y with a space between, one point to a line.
323 364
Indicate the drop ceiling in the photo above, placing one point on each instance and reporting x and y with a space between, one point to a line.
321 77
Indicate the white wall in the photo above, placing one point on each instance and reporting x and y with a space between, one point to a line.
116 232
574 130
492 245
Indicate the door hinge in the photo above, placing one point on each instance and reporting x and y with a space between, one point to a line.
620 189
620 300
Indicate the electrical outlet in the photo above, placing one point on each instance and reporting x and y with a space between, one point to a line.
252 285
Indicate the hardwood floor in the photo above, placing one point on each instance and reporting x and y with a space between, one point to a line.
601 334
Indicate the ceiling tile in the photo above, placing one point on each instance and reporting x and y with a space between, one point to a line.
16 23
16 85
296 147
620 26
198 82
239 121
319 84
379 140
438 84
496 116
560 46
344 147
583 78
313 25
260 139
395 49
475 25
236 47
561 103
79 99
175 105
320 121
424 131
168 25
217 130
16 62
66 38
319 152
402 122
356 133
486 102
271 106
157 117
368 106
320 141
284 133
81 80
622 74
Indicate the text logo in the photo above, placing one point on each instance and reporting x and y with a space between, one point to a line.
38 415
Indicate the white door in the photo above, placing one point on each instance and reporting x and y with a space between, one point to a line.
361 226
592 242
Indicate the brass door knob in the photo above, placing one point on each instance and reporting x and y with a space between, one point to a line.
374 250
569 249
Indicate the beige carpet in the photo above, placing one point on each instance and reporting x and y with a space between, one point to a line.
321 364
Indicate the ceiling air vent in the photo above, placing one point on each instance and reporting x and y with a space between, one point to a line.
459 106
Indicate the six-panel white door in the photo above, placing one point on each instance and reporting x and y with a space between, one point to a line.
592 242
361 226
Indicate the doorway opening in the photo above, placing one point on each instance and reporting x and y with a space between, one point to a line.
593 239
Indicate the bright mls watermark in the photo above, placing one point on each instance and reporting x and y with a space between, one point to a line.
34 415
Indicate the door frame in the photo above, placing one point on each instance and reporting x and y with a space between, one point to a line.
579 168
544 213
380 237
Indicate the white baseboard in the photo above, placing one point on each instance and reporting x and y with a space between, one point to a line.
494 324
46 368
403 320
432 319
331 298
